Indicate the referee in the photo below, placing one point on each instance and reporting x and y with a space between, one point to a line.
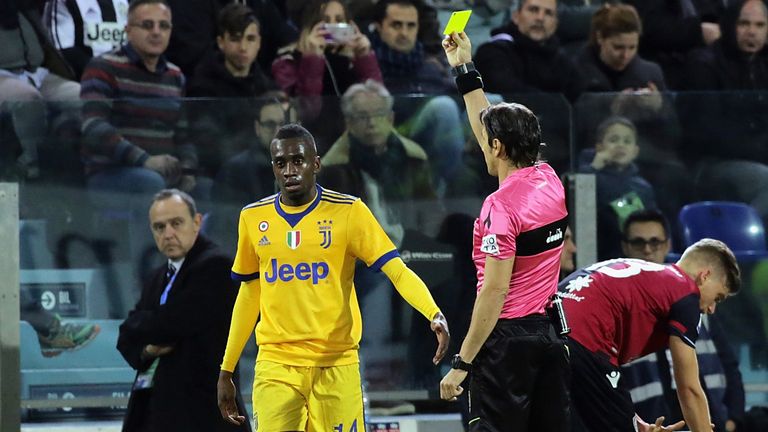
518 361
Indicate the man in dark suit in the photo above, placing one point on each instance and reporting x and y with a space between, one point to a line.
176 334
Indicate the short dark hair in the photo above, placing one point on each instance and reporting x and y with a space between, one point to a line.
187 198
515 126
293 130
613 19
380 10
602 128
234 18
136 3
645 215
721 256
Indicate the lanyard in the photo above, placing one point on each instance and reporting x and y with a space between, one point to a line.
164 295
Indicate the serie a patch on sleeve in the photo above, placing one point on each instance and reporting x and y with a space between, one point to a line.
490 245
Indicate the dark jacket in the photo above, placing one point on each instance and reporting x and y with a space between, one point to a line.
513 63
619 192
212 79
670 32
223 126
402 171
598 77
195 321
729 124
416 72
722 66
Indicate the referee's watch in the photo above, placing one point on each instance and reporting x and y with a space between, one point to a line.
458 363
463 69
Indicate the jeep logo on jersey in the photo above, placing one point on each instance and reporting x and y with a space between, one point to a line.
293 238
316 271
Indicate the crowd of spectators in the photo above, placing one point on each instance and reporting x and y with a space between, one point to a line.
668 100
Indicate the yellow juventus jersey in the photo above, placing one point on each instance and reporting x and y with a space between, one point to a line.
304 259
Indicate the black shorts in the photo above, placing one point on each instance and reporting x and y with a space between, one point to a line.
519 379
599 401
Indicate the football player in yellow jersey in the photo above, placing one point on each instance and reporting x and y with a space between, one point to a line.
295 258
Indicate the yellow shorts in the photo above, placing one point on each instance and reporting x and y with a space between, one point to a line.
311 399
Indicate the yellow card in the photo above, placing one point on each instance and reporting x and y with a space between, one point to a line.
458 21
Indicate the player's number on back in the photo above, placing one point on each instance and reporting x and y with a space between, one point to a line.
631 268
340 427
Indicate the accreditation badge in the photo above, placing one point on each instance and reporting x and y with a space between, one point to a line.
144 380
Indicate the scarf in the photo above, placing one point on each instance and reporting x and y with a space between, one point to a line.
394 63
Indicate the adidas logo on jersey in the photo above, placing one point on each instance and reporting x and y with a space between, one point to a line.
264 241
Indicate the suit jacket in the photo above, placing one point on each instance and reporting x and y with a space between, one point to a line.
195 321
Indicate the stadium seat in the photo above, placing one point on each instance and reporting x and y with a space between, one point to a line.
736 224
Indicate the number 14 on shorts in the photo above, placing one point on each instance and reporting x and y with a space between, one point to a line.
352 428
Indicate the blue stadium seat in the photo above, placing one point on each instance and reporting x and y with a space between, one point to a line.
736 224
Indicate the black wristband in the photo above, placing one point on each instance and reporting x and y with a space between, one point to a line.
463 68
469 81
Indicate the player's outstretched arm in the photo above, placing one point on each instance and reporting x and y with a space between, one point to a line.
458 49
415 292
439 325
693 401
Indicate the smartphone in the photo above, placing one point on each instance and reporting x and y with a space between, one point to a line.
457 22
341 33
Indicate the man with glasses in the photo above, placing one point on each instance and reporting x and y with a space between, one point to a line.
133 127
371 151
649 379
247 176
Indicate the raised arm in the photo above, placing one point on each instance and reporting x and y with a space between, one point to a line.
458 49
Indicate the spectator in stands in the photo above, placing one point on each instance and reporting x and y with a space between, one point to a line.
231 72
83 31
321 68
176 334
524 55
54 336
232 77
31 70
672 29
277 34
134 135
247 176
406 67
371 150
648 379
410 68
609 63
620 189
739 60
727 131
320 64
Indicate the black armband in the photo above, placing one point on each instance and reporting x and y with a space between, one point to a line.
469 81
